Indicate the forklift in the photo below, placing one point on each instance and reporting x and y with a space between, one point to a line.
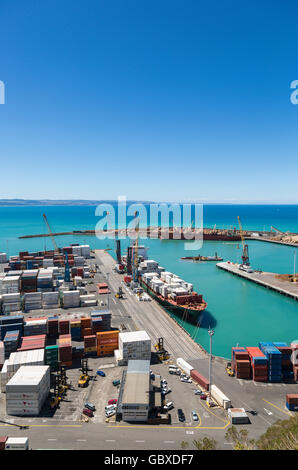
229 370
84 377
59 392
119 294
162 354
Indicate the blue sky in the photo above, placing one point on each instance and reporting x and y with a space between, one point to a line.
160 100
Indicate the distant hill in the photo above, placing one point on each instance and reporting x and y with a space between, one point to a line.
59 202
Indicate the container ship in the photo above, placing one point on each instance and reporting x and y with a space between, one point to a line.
170 291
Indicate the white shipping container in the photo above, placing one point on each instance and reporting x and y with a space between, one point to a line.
184 365
220 397
17 443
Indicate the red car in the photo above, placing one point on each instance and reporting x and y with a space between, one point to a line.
112 402
203 396
88 412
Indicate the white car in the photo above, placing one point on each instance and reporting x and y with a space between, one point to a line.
168 406
184 379
110 408
110 413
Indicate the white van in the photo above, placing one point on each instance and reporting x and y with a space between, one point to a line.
168 406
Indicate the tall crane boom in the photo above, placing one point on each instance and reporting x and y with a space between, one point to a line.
136 252
245 258
50 232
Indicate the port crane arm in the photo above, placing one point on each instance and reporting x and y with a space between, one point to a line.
51 233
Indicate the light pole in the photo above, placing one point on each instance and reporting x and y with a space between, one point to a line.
211 333
108 274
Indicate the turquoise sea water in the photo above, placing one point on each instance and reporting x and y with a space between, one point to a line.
239 311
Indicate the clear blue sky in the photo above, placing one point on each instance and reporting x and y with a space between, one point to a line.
152 99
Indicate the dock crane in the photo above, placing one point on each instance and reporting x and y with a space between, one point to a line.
67 271
136 252
51 233
245 257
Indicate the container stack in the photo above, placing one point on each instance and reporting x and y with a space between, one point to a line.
259 364
199 379
242 365
233 358
85 251
11 303
29 343
292 401
36 326
53 327
11 342
64 327
274 357
79 261
48 263
101 321
75 329
88 300
52 357
32 301
286 363
2 354
77 352
65 350
29 280
18 359
50 300
3 258
11 323
27 391
90 345
10 284
45 280
107 342
86 329
134 345
71 299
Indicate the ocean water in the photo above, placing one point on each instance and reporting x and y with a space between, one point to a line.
239 311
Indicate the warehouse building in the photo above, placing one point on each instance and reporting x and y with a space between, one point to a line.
134 396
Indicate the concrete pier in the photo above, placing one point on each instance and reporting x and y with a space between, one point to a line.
264 279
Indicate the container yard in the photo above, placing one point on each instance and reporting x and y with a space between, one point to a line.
54 339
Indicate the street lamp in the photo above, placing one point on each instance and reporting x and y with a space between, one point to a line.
108 274
211 333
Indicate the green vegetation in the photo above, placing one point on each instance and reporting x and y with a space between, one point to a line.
283 435
239 439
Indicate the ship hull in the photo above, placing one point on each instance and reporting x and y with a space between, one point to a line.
189 314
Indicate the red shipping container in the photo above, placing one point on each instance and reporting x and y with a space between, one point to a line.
3 439
200 379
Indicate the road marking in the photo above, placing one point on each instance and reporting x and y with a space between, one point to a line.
110 440
189 432
52 439
169 442
283 411
81 440
268 412
140 441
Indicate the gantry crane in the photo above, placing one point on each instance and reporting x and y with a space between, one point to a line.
136 252
51 233
245 258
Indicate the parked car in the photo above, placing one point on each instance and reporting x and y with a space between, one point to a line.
88 412
116 382
113 401
181 415
194 416
168 406
110 407
90 406
101 373
164 382
203 396
110 413
184 379
198 392
165 391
